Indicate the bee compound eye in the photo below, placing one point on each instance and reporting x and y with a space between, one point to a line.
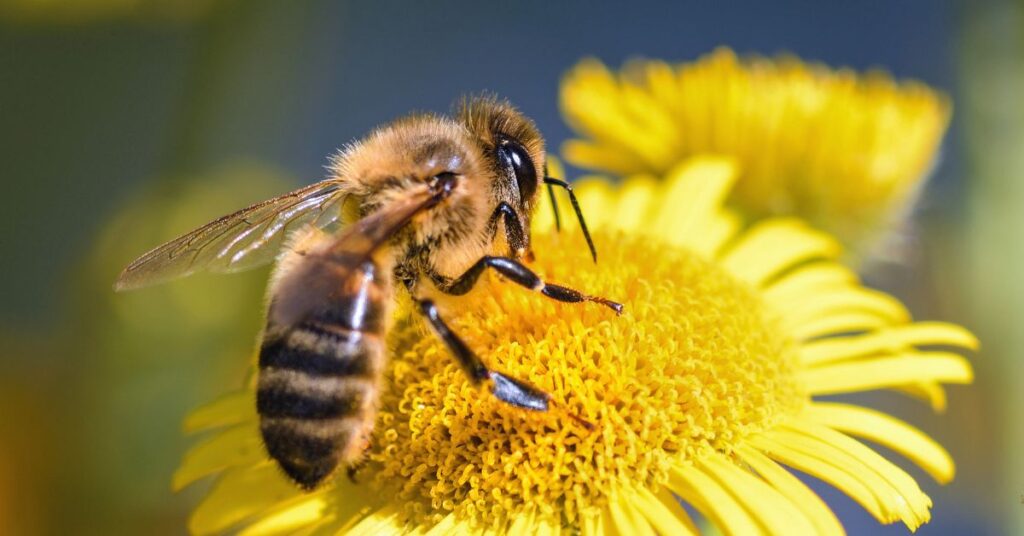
514 158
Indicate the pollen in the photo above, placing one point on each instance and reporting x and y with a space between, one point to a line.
693 365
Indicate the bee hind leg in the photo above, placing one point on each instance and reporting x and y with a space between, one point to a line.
507 389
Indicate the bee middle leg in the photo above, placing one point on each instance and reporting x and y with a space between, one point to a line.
507 389
520 274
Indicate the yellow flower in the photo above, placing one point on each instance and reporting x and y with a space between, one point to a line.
702 391
847 153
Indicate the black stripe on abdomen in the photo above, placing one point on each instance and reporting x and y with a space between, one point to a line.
322 353
276 401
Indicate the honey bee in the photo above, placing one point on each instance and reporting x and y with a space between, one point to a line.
428 202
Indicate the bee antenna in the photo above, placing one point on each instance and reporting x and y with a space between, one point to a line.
551 181
554 206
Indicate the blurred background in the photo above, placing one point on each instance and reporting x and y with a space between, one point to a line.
126 122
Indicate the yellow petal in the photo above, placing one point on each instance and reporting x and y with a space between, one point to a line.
881 372
600 156
593 525
885 430
719 230
446 526
229 409
693 193
631 209
625 518
597 201
931 392
839 323
810 504
240 493
663 519
808 280
842 301
767 506
912 504
887 340
524 524
708 496
821 466
382 522
770 247
288 520
235 446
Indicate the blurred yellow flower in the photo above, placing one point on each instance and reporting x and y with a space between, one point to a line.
701 392
846 152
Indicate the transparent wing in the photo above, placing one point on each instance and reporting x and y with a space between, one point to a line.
314 283
246 239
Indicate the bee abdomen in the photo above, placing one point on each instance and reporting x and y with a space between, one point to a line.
322 351
299 395
315 397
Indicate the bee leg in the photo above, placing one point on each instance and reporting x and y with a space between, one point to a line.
507 389
518 241
517 272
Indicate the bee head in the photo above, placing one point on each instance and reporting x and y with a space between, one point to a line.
513 152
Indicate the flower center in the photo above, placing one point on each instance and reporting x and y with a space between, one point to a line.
694 364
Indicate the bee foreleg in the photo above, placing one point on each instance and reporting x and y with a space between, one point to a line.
519 273
514 235
509 390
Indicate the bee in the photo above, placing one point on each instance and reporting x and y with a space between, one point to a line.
427 203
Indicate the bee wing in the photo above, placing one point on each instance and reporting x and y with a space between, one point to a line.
314 283
246 239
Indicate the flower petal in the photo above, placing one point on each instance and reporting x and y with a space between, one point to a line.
597 201
839 323
888 431
625 517
915 506
808 280
233 447
887 340
881 372
842 301
448 525
382 522
772 246
931 392
702 491
240 493
601 156
767 506
799 494
820 465
288 520
631 209
234 408
663 519
693 193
